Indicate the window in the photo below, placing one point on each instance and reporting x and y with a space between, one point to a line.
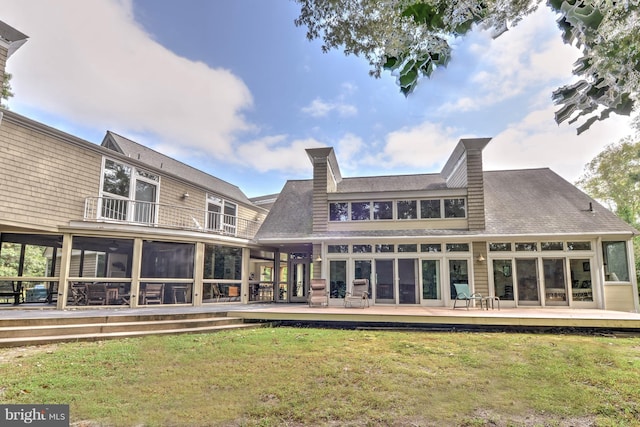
338 249
431 247
362 249
222 262
221 215
128 194
526 247
408 248
551 246
454 208
499 247
407 209
338 211
615 261
579 246
167 260
457 247
382 210
116 179
430 209
360 211
385 248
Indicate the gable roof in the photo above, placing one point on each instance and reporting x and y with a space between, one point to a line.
290 217
132 149
517 203
539 201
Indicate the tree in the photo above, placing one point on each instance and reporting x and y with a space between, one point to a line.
613 177
411 39
34 265
6 90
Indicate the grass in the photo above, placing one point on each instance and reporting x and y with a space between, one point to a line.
288 376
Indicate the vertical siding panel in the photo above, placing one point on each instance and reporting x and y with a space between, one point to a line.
320 199
475 190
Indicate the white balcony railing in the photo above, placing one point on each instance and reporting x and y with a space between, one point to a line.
108 209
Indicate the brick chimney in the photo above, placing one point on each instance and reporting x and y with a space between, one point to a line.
464 170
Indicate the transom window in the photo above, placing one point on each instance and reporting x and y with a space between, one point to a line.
545 246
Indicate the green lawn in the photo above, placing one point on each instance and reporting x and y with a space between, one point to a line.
296 377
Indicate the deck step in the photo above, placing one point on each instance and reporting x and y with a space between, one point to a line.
110 327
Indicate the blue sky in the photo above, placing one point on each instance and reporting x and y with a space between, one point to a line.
235 89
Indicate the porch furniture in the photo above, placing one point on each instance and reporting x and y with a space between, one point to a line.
96 294
77 293
464 294
11 290
112 295
359 294
215 292
234 293
179 293
153 293
318 294
492 300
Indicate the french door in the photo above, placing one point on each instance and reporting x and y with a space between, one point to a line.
299 282
407 289
528 281
384 283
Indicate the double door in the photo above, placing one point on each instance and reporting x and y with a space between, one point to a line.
385 288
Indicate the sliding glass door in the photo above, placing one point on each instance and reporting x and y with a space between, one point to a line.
384 281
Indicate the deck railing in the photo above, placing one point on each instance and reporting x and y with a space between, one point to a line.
108 209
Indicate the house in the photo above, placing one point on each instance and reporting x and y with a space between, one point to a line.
119 224
527 237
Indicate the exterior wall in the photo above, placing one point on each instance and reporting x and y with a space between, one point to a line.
619 298
475 190
44 180
480 268
320 200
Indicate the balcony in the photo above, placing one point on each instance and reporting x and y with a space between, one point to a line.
126 211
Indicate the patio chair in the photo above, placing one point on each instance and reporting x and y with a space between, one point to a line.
464 294
318 294
77 293
153 293
96 294
359 294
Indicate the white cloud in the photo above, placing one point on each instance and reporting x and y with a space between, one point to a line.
528 55
537 141
422 146
349 150
273 153
91 63
320 108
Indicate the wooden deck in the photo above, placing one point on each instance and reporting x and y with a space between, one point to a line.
447 318
399 317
